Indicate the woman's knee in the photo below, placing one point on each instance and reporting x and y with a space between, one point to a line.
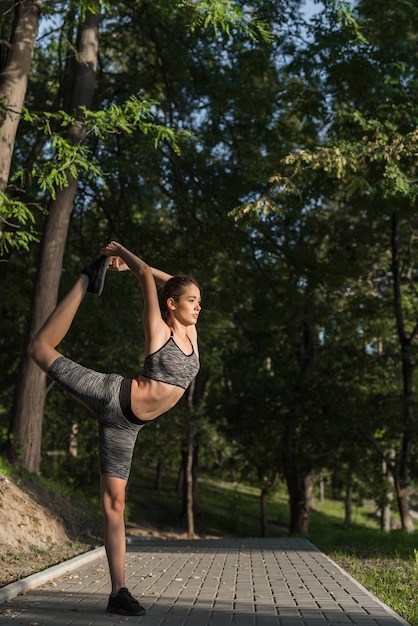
113 504
113 495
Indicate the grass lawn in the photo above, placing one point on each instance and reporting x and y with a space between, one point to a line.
386 564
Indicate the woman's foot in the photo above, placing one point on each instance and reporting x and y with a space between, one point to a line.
96 274
123 603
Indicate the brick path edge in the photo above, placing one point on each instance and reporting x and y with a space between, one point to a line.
395 615
35 580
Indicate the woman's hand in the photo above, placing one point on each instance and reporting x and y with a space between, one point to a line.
117 264
112 250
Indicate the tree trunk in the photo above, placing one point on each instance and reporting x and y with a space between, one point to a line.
321 489
295 473
403 478
159 474
28 407
385 523
402 495
310 495
14 78
73 448
190 474
348 503
296 486
263 503
299 512
187 478
297 482
189 487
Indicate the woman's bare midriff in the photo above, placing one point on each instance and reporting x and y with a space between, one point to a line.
151 398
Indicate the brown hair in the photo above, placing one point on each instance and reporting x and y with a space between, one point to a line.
174 288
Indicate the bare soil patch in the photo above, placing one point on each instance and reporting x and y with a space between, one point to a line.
40 528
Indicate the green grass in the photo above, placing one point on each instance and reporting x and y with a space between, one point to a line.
5 467
385 563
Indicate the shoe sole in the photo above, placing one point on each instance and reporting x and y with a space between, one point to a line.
122 612
101 275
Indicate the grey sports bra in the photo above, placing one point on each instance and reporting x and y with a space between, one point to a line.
171 365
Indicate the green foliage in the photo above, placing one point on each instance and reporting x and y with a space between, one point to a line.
382 146
64 160
227 16
83 6
5 436
72 159
315 139
5 467
132 116
15 214
348 20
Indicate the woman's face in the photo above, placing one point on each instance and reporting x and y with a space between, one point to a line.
187 308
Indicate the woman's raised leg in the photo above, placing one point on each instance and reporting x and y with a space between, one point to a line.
42 346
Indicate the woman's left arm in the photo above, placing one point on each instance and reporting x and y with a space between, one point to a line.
118 264
160 277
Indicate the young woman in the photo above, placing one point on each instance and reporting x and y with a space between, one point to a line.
122 406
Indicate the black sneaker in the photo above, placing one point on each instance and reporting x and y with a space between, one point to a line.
124 604
96 273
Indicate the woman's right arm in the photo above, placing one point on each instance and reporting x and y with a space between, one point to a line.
154 326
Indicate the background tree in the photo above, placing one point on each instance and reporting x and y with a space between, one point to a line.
310 137
369 156
16 58
27 412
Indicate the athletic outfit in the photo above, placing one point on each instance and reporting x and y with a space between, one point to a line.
170 365
108 397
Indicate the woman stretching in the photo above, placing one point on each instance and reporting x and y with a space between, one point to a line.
122 406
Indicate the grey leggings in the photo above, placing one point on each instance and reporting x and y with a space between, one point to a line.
100 393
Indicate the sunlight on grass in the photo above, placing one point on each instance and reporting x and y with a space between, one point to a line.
394 581
5 467
384 563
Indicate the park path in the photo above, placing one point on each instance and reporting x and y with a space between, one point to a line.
246 582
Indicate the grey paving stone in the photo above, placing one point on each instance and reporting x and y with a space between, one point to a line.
246 582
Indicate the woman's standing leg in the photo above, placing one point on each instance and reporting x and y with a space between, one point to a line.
112 496
112 492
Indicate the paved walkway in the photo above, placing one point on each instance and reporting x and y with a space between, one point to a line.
246 582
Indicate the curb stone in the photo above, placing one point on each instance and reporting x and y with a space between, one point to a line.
35 580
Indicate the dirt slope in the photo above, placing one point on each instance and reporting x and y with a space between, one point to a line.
38 529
